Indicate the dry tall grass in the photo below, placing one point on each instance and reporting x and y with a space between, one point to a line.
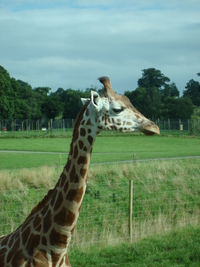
166 196
29 177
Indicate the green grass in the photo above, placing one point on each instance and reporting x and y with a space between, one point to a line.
177 248
109 148
166 212
166 195
166 198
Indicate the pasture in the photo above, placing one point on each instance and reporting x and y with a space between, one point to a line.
166 197
110 148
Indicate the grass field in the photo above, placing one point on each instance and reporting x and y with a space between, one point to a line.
174 249
166 198
106 149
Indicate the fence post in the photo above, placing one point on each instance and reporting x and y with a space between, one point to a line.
130 208
63 126
51 123
169 125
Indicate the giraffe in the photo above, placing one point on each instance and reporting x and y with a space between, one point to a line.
43 238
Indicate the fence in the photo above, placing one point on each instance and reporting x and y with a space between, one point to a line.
116 212
63 127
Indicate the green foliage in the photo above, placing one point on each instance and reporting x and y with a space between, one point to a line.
72 104
165 212
177 108
177 248
195 122
170 90
193 92
52 106
6 95
152 78
154 97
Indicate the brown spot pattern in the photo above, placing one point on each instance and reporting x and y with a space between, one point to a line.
47 222
40 256
25 234
57 239
81 144
76 179
44 241
37 223
62 178
75 194
18 257
89 122
68 165
55 258
66 186
82 132
64 217
59 200
82 160
75 152
87 112
90 139
2 256
32 243
72 173
83 172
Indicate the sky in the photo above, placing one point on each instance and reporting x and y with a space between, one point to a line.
69 44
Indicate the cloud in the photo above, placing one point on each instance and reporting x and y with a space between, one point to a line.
71 43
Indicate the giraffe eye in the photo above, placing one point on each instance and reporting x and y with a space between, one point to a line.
118 110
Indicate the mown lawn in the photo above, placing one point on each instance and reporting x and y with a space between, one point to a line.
111 148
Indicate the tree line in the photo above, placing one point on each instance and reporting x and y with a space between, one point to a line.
155 97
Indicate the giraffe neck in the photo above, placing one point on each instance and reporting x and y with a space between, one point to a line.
67 196
44 236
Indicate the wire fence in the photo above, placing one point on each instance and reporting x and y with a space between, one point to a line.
116 212
62 127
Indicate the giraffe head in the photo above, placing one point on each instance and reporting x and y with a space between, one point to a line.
115 112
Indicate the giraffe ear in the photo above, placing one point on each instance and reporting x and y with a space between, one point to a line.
96 100
84 100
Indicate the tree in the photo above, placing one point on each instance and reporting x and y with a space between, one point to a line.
153 81
22 110
6 95
52 106
38 101
149 106
194 122
193 92
177 108
152 78
22 93
72 104
140 100
25 90
170 90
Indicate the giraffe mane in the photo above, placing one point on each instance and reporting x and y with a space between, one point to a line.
77 122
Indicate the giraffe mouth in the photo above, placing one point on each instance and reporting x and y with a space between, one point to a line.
150 129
